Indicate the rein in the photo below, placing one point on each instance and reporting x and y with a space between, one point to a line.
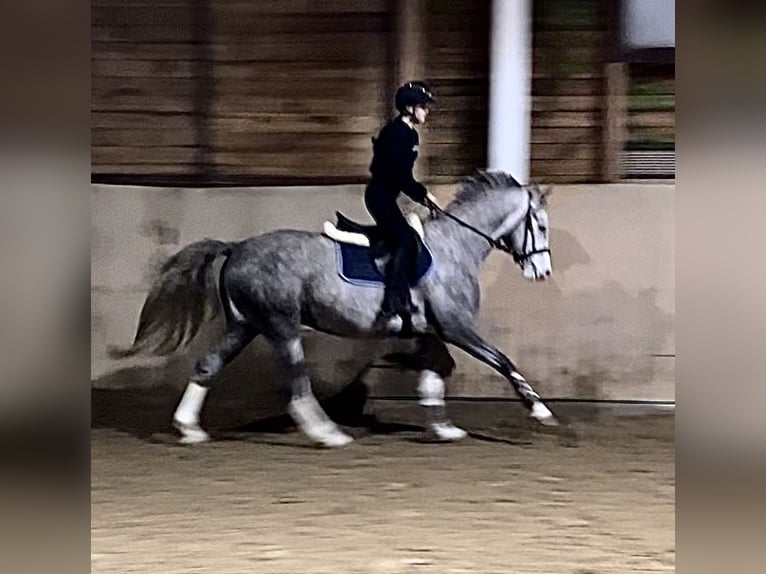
500 244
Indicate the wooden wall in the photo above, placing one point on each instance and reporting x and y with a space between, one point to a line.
283 91
237 90
569 47
456 61
144 63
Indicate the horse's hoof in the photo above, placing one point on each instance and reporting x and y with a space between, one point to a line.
394 324
543 415
190 433
419 323
444 432
336 439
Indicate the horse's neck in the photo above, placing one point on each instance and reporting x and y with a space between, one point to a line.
465 244
459 244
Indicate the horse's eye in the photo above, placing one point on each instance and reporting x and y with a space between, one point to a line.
542 228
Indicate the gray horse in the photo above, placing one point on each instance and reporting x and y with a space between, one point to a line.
278 283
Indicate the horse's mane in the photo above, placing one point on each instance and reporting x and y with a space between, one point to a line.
473 186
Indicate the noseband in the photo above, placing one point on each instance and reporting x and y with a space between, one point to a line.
503 244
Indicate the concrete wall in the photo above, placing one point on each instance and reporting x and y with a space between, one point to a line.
603 328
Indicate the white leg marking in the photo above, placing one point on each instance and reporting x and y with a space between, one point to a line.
543 414
394 324
447 431
314 422
190 406
527 390
186 417
295 351
431 389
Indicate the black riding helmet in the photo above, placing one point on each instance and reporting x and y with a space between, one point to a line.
412 94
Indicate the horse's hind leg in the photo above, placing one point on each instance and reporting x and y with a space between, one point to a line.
303 407
435 364
206 371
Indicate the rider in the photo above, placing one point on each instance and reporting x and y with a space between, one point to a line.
394 153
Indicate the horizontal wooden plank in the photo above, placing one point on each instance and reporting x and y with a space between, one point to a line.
652 120
471 120
546 56
167 33
571 167
322 50
254 23
567 178
301 72
460 103
142 168
458 61
227 105
650 133
138 120
567 103
585 135
545 39
471 86
444 168
124 68
284 157
567 86
273 50
566 151
142 103
461 15
167 94
457 35
291 143
565 119
141 51
137 17
268 123
455 73
298 166
464 137
304 8
139 4
453 149
143 135
142 154
339 89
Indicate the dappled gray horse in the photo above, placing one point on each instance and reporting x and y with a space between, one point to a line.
277 283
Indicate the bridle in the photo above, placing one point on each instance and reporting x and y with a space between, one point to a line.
503 244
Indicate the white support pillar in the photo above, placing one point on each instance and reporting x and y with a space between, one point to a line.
510 88
409 60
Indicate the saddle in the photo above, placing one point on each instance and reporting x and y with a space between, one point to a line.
362 253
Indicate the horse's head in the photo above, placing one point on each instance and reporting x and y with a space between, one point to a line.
514 215
528 238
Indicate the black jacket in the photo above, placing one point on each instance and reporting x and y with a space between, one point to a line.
394 153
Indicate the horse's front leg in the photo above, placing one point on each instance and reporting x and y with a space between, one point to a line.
467 339
435 364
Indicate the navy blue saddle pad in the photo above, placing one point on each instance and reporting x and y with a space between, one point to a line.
357 266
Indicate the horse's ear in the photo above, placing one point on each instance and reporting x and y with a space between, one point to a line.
544 193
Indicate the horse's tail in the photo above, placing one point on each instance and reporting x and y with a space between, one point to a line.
182 298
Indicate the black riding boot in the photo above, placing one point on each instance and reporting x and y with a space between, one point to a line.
397 299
